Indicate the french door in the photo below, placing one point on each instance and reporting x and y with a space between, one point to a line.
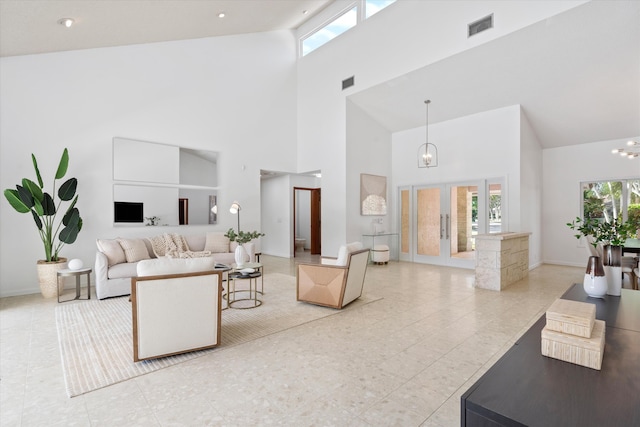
439 222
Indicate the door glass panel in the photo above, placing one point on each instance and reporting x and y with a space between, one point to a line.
633 204
428 222
463 200
495 208
404 221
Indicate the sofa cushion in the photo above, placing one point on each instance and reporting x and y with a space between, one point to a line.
158 266
112 249
196 242
122 271
216 242
134 249
149 246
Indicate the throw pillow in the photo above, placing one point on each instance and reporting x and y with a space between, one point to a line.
216 243
134 249
343 252
112 249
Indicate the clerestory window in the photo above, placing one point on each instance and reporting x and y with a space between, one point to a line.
341 22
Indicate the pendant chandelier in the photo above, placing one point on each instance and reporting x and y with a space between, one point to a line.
632 151
427 152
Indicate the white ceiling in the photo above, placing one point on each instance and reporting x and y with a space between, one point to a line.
576 75
30 26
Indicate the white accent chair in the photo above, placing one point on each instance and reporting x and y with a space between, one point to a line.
176 306
335 282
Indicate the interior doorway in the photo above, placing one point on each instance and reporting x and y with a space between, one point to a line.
306 220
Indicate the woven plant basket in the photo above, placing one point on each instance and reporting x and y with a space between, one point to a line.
48 276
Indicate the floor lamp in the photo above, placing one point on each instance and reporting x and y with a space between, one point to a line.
235 209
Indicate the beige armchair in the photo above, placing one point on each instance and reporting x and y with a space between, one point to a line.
176 305
336 282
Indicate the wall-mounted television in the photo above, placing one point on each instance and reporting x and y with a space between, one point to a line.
127 212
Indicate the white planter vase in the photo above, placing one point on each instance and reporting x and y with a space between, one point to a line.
614 280
595 286
240 255
251 251
595 280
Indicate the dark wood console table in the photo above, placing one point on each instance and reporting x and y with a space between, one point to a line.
525 388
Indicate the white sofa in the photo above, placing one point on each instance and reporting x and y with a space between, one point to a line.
117 259
176 306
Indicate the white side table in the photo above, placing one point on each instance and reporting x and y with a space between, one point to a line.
77 274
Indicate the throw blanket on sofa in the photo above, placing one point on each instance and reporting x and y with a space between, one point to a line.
173 245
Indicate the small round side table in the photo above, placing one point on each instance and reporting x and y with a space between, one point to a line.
77 274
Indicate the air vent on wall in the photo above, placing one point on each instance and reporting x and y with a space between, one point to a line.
348 82
481 25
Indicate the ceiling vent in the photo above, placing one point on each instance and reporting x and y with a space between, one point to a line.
481 25
348 82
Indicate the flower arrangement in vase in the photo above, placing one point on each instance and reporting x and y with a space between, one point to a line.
243 238
607 238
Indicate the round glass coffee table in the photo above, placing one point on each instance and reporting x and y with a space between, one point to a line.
245 296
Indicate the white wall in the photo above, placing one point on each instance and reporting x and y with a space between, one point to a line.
530 206
483 145
368 151
234 95
407 35
276 211
563 170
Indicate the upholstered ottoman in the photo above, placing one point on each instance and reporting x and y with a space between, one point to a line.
380 254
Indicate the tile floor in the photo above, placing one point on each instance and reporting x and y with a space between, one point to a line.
402 361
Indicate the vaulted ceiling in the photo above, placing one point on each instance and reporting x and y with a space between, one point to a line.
576 76
31 26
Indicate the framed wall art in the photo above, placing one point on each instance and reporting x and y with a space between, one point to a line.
373 194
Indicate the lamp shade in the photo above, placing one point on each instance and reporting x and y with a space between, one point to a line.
235 208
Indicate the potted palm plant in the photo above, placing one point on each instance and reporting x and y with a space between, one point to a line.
54 231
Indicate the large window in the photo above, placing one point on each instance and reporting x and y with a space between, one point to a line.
608 200
341 22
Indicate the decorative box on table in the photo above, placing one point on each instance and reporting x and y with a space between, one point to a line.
571 317
572 348
573 334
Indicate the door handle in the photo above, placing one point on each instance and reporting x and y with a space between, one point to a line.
448 226
441 230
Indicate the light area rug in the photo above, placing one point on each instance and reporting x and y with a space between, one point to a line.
96 343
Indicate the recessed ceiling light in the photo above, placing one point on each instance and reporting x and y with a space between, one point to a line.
221 15
67 22
304 12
